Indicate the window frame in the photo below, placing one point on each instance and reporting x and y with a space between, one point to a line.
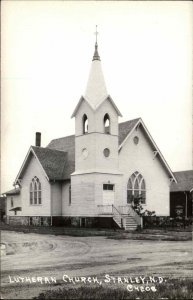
35 192
84 124
106 187
12 202
70 195
107 129
136 186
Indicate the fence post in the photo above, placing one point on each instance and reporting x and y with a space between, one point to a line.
141 222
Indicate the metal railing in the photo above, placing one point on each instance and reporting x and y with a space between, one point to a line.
128 210
120 213
105 209
117 216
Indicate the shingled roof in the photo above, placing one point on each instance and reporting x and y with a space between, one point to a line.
58 158
184 181
54 162
15 191
67 145
125 128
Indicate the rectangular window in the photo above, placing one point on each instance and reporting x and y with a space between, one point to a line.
108 187
11 201
83 222
70 195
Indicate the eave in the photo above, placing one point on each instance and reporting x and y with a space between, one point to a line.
22 169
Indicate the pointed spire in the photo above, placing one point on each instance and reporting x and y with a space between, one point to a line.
96 91
96 55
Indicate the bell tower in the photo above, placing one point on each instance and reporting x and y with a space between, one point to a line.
96 136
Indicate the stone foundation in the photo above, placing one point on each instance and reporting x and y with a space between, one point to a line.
29 221
81 222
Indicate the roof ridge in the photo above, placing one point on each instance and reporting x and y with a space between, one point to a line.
63 137
130 120
46 148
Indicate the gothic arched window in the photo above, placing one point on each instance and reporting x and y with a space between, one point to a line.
136 188
106 123
85 124
35 192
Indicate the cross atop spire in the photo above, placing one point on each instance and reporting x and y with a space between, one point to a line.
96 55
96 33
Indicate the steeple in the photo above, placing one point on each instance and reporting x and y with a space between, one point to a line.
96 91
96 55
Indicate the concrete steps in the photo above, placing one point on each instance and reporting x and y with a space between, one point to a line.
130 223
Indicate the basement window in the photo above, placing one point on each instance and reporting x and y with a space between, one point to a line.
30 221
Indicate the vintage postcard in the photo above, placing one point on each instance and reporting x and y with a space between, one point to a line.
96 150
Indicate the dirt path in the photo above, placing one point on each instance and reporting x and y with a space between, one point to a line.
36 255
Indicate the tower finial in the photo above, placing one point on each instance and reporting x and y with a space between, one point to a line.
96 55
96 33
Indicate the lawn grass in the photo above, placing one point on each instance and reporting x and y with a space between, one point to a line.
144 234
70 231
172 289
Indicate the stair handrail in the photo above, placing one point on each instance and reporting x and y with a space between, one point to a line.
135 215
114 207
117 213
101 209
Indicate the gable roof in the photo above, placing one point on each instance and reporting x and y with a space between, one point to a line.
131 127
58 158
184 181
67 143
54 163
108 97
125 128
15 191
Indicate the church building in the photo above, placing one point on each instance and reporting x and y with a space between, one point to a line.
91 178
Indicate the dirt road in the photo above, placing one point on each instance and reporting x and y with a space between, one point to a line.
35 255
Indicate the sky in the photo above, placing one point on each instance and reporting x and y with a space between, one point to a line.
46 54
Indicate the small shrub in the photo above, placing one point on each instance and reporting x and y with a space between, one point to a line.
172 289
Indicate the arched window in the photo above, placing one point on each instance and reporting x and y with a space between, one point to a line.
136 188
35 192
106 124
85 124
